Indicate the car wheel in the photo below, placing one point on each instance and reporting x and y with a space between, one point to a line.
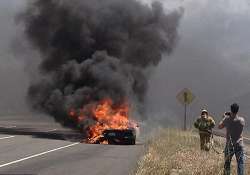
132 142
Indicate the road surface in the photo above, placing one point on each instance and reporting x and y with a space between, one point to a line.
35 146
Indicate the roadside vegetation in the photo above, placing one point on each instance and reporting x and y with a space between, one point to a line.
174 152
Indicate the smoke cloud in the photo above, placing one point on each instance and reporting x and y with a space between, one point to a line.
211 59
93 49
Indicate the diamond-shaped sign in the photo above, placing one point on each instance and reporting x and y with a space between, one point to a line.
185 97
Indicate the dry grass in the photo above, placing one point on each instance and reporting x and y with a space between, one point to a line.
174 152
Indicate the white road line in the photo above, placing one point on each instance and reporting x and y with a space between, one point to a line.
37 155
51 130
8 127
8 137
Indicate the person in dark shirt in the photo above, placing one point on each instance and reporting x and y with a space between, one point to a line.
234 125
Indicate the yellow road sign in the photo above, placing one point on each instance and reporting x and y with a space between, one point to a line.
185 97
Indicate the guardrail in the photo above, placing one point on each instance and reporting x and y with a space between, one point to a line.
222 134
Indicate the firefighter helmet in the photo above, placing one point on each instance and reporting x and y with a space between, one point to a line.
204 111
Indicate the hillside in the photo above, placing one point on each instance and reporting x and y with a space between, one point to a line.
173 152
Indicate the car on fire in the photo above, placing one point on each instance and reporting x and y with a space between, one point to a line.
119 136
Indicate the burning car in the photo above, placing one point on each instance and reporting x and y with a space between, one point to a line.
106 123
118 137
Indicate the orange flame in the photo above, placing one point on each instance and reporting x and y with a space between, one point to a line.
106 116
74 116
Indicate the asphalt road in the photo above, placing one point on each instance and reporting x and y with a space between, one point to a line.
32 146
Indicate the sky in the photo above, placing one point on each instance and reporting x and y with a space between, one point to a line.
212 59
13 78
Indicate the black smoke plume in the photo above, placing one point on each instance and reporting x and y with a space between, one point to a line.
95 49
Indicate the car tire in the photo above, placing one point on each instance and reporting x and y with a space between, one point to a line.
132 142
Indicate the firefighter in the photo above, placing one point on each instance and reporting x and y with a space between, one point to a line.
204 124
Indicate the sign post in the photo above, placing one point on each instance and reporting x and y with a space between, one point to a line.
185 117
185 97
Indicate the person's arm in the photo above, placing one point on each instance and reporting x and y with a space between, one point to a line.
243 122
221 125
212 123
196 124
222 122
